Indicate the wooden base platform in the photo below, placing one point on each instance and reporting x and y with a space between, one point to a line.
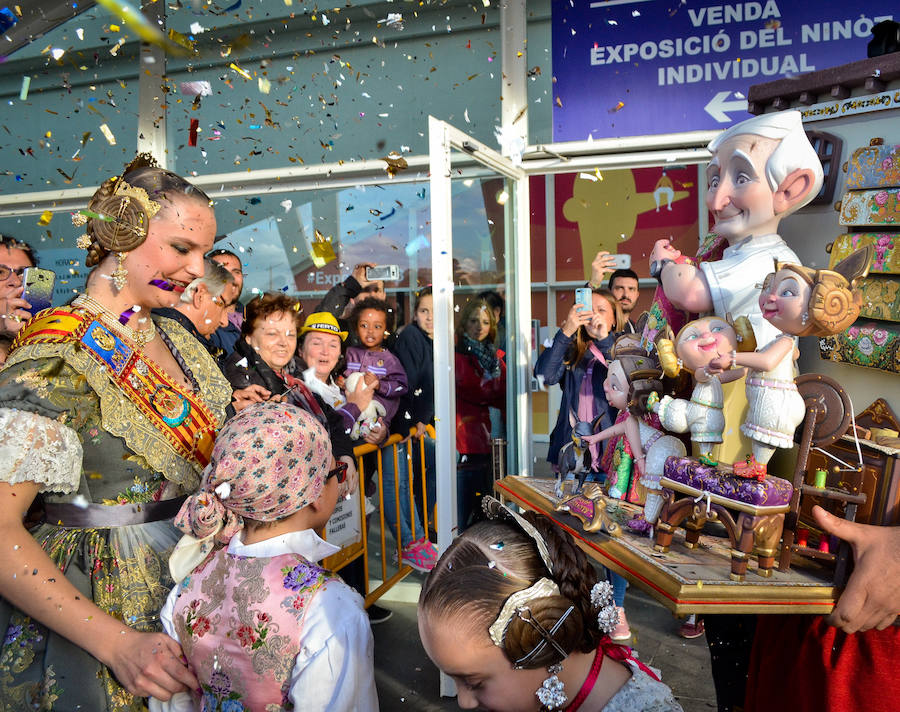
684 580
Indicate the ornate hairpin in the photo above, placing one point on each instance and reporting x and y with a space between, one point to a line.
494 509
602 601
541 588
546 635
118 218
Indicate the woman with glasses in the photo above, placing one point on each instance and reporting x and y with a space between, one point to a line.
263 367
110 416
15 258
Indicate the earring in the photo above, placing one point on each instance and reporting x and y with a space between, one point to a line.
551 693
804 318
120 275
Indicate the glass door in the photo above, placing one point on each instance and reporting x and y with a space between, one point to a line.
479 228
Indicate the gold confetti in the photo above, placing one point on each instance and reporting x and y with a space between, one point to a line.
45 218
240 71
111 139
395 164
181 40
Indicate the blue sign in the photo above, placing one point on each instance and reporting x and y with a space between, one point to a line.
637 67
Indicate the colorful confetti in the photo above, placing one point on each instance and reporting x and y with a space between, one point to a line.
108 134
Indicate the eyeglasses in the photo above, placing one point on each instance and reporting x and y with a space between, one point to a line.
5 272
339 471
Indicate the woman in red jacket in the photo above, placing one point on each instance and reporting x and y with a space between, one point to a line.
480 384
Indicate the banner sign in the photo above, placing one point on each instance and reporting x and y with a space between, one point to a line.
640 67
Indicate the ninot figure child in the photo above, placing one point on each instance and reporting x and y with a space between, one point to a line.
798 301
261 624
698 343
371 320
634 374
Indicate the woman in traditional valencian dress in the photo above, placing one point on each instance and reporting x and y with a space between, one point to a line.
110 417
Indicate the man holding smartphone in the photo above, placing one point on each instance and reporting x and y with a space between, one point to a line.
15 258
623 283
340 298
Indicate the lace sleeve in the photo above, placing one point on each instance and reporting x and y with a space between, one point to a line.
37 449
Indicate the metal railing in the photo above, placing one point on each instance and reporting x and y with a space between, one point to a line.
411 447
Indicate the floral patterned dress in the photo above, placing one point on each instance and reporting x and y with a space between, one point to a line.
240 622
68 425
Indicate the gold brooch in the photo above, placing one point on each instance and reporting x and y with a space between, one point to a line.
151 207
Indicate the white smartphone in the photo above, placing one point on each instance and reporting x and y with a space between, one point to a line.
622 261
584 297
386 273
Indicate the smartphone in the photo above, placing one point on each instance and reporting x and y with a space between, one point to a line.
622 261
385 273
584 297
38 288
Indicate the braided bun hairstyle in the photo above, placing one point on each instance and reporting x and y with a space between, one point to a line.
494 559
125 205
743 331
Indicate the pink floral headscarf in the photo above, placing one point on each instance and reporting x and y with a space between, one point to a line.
268 462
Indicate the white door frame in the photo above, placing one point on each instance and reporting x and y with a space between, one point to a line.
443 140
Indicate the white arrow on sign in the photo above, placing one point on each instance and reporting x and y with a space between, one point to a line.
719 104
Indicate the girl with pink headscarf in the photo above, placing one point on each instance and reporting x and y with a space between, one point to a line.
261 623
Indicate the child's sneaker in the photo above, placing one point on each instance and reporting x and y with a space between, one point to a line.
420 555
621 631
691 629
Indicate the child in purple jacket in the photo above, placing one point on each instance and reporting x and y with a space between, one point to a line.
370 321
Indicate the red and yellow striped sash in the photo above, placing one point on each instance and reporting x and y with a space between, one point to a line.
182 417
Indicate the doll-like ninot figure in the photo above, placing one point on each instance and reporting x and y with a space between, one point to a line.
800 302
575 456
697 344
633 375
763 169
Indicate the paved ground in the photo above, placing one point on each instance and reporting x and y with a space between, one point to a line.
407 680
